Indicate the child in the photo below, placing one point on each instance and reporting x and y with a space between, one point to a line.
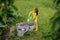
33 17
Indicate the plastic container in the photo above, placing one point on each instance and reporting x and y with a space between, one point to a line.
31 26
24 27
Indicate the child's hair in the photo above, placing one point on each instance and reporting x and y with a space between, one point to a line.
36 10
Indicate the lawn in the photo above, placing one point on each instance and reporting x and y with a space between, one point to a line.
46 11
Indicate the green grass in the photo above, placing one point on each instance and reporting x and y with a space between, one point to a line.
46 11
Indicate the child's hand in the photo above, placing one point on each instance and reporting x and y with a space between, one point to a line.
27 20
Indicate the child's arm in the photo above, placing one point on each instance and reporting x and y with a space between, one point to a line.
29 15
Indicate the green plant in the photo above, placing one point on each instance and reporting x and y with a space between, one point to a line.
56 25
8 16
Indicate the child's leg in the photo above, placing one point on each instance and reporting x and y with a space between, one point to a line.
36 27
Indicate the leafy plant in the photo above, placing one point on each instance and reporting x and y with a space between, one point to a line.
7 16
56 25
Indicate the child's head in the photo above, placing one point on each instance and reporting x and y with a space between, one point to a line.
36 11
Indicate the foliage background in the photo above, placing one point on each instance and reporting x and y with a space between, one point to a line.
47 9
